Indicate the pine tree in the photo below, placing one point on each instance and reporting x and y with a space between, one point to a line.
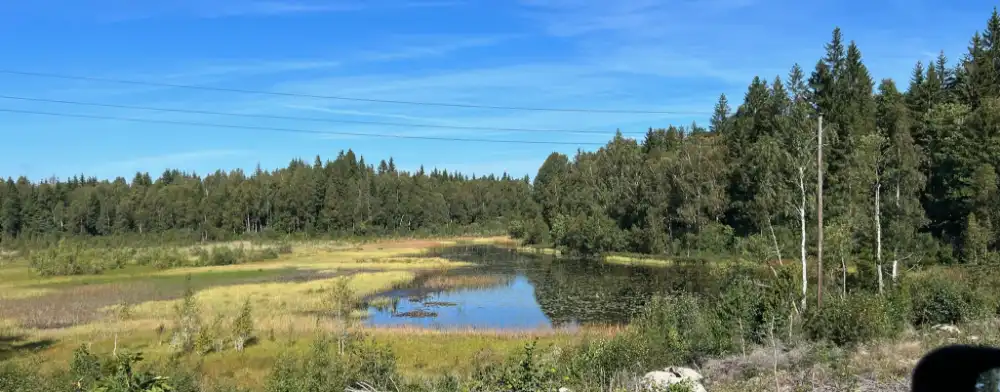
10 211
976 241
719 116
903 179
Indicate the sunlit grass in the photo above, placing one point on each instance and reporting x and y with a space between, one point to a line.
446 282
638 260
419 352
538 251
272 300
289 299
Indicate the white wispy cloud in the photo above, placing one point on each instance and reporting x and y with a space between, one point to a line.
639 18
117 11
275 8
421 46
370 114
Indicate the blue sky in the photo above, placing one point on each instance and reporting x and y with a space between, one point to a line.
625 54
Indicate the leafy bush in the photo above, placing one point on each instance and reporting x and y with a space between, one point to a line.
319 370
17 376
856 318
85 366
223 255
939 300
284 248
74 259
187 322
682 329
517 229
263 254
243 328
124 377
375 364
527 373
169 259
202 256
597 362
751 310
588 235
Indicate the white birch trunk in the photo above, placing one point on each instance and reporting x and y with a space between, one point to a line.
878 236
843 281
895 266
895 248
802 226
774 238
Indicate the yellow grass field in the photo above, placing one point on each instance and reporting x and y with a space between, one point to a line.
288 297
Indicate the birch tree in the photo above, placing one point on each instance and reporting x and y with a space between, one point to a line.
870 158
799 139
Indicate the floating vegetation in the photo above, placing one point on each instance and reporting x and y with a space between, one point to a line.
418 297
439 303
419 313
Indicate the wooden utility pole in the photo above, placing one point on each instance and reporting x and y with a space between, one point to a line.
819 212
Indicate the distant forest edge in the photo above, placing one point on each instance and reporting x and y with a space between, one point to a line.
907 176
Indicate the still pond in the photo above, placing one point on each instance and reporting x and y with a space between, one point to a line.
512 290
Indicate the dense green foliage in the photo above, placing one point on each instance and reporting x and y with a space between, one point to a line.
904 171
345 195
928 157
909 176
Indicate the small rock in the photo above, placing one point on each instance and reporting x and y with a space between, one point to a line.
947 328
564 389
674 375
974 338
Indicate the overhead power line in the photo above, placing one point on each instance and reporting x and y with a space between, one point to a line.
290 130
345 98
313 119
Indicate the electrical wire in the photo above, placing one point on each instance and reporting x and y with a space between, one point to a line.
345 98
291 130
312 119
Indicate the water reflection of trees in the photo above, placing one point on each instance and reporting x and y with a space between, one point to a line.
578 291
571 291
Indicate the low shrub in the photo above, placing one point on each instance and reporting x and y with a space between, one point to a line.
853 319
682 329
224 255
263 254
170 259
202 256
21 377
284 248
374 364
525 373
938 299
596 362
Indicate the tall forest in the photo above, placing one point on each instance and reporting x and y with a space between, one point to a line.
909 175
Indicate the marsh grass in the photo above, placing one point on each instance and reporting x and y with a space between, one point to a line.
451 282
59 305
285 293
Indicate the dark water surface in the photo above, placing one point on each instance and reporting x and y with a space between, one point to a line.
513 290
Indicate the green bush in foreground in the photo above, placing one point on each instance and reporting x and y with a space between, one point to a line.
324 369
942 300
853 319
527 373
